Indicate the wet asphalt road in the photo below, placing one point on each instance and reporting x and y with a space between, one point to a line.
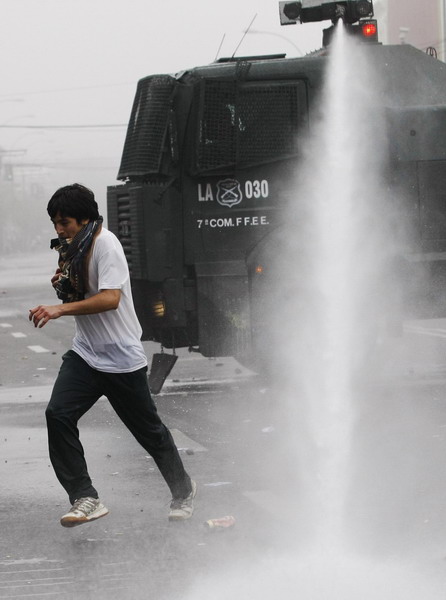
234 433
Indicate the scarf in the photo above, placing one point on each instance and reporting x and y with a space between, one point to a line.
73 254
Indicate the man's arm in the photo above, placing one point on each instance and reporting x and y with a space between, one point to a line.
100 302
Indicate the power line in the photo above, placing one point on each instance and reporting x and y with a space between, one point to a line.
73 89
62 166
97 126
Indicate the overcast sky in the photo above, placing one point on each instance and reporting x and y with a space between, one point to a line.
76 62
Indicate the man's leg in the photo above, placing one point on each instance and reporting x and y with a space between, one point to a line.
74 393
130 397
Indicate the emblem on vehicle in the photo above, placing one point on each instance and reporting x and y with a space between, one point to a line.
229 192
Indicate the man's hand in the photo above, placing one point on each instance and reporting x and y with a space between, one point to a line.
101 302
42 314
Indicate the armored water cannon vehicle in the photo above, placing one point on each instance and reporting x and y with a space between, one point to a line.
205 173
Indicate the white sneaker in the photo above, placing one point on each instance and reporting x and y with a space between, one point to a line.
183 508
83 511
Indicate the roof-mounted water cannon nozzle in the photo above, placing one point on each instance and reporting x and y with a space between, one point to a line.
356 15
309 11
340 13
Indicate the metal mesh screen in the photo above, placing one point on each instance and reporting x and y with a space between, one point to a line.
267 123
248 124
217 136
149 120
126 220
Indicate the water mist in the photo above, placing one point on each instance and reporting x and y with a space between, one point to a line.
342 177
335 252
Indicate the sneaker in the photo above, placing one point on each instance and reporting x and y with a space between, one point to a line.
83 511
183 508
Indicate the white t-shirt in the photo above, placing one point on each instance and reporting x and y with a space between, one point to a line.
110 341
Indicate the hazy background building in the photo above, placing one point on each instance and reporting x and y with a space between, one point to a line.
415 22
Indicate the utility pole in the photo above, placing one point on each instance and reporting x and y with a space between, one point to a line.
443 31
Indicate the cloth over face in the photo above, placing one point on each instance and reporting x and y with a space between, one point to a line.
73 262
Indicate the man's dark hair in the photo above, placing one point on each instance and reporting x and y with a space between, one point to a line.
75 201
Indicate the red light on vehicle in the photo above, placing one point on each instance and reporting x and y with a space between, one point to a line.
259 269
369 30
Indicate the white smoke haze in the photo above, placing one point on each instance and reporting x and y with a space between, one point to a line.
328 320
319 577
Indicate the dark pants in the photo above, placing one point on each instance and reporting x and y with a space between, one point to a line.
76 389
